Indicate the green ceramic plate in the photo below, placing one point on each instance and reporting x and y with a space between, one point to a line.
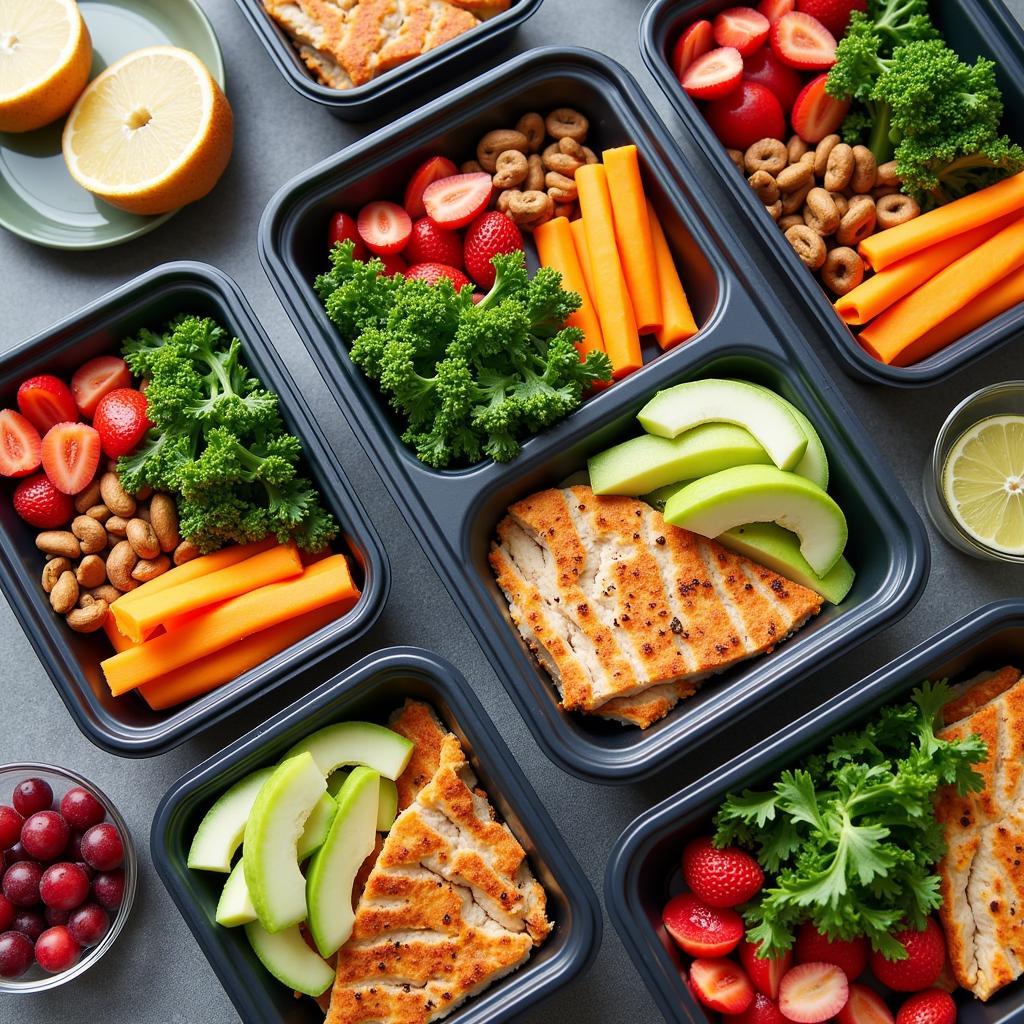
38 199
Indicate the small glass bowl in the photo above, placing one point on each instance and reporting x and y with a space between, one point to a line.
1005 398
35 979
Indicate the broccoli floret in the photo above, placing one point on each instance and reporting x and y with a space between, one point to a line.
901 21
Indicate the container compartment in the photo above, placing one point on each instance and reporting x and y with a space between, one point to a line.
126 725
643 868
371 690
973 28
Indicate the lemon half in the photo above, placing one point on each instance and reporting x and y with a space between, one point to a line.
151 133
983 482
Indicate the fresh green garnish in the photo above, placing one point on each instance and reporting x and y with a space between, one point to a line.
218 442
471 380
850 836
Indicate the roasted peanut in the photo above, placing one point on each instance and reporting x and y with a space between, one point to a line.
88 619
808 245
90 533
765 155
857 223
774 209
842 203
528 209
64 595
566 210
510 170
493 144
736 156
116 527
115 497
501 203
886 175
560 188
822 152
591 156
795 149
556 159
895 209
98 512
91 572
107 592
789 220
185 552
820 212
52 572
532 126
865 170
471 167
880 191
842 271
142 538
149 568
839 169
163 516
794 176
59 542
765 187
566 123
534 174
87 498
792 202
120 563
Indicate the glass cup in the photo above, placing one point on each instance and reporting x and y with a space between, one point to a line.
1003 399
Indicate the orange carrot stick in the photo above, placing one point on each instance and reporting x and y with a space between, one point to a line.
679 324
633 236
614 307
887 247
579 239
149 610
555 249
949 292
878 292
221 667
987 306
326 582
117 639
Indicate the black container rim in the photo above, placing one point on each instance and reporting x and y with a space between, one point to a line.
470 715
55 655
622 867
419 73
853 359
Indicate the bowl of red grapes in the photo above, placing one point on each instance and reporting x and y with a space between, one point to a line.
68 876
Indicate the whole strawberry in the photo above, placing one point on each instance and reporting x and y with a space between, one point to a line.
430 244
833 14
121 421
41 505
931 1007
488 236
721 878
433 272
849 954
926 955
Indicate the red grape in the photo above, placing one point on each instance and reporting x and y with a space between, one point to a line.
31 923
73 851
108 889
15 954
101 847
32 795
64 886
88 924
54 916
14 854
10 826
6 913
80 809
88 869
45 835
56 950
21 883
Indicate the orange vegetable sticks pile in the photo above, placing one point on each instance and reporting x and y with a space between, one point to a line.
618 259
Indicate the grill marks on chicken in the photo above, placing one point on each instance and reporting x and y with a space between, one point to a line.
346 43
983 870
627 613
450 905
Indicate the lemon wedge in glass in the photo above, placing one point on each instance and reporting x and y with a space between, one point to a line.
983 482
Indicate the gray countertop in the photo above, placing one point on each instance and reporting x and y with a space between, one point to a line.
156 973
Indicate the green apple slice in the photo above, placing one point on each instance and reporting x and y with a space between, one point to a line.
333 869
645 463
387 809
714 400
234 906
352 743
814 465
318 825
659 498
763 494
220 832
287 957
779 550
276 822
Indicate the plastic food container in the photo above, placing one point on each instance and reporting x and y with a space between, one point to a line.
395 89
745 333
644 866
35 979
973 28
125 725
372 689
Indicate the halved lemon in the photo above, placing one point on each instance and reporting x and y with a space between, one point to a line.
151 133
45 57
983 482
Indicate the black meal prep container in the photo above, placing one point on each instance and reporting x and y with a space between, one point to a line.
454 513
399 88
644 866
973 28
370 690
125 725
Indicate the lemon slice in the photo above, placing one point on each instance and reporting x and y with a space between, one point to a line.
983 482
45 56
151 133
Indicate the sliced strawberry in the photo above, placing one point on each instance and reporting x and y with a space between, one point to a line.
41 505
71 453
393 263
342 228
815 114
765 68
803 42
431 170
715 74
833 14
761 1011
45 400
775 9
721 985
695 41
742 28
931 1007
434 272
920 968
384 227
453 202
865 1006
20 446
701 930
850 955
748 114
430 244
767 973
721 878
812 993
96 378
